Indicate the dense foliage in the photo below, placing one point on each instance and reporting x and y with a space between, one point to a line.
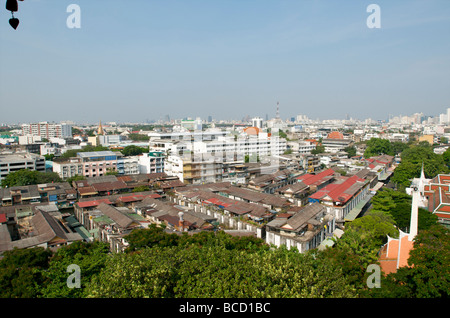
26 177
213 271
378 146
133 150
412 160
397 204
216 264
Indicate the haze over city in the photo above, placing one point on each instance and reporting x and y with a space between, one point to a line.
138 60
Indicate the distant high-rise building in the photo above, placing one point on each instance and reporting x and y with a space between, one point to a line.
257 122
48 130
192 124
278 111
209 119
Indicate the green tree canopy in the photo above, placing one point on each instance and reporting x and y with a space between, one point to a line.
318 149
446 157
141 188
90 257
207 271
397 204
378 146
27 177
374 226
138 137
411 164
75 178
21 272
132 150
351 151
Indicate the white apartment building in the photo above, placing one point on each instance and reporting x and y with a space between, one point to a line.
174 166
200 157
206 135
302 147
228 147
128 165
335 145
192 124
47 130
18 161
48 149
170 147
29 139
68 168
108 140
194 170
398 137
151 162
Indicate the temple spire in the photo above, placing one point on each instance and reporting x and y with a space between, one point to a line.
100 129
413 224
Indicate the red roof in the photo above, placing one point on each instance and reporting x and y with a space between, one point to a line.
138 197
217 202
335 135
3 218
88 204
336 191
310 179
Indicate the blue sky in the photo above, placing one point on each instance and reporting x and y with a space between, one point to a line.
136 60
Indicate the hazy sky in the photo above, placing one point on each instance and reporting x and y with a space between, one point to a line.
133 60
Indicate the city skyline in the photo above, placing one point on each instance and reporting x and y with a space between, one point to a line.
144 60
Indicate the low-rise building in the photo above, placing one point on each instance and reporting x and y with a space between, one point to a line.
437 196
319 180
12 162
59 193
297 193
341 196
29 226
98 163
333 145
174 217
269 183
110 224
67 168
304 230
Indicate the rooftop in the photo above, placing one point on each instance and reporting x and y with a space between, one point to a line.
89 154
